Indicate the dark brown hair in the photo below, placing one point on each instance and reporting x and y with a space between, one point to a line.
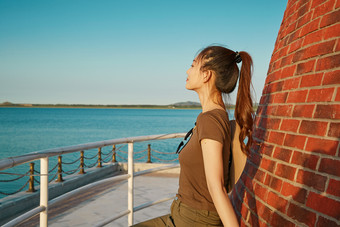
222 62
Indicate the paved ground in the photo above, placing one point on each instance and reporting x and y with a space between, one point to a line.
95 207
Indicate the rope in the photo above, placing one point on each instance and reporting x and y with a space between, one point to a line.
90 166
108 156
121 157
37 181
12 193
124 152
140 151
21 176
107 153
53 168
90 157
163 160
136 159
70 172
53 178
159 152
70 163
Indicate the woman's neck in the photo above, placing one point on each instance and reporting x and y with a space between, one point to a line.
211 100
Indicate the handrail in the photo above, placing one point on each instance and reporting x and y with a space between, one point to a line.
17 160
44 155
74 192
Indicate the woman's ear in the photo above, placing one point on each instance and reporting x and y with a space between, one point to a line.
207 75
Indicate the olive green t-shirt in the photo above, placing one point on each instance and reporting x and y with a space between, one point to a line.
193 188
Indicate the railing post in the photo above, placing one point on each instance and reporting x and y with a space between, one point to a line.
149 154
31 180
81 163
44 191
130 183
99 157
60 170
114 153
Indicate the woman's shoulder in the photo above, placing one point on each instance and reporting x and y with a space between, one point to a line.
215 116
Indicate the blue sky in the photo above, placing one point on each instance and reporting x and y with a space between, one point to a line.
124 51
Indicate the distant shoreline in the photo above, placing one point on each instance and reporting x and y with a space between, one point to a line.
171 106
100 106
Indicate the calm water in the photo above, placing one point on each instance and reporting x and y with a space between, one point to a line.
24 130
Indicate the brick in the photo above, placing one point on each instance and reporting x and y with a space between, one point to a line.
315 3
329 62
313 37
305 160
331 18
295 45
301 214
323 146
315 50
264 211
260 134
290 125
323 9
304 20
260 192
337 97
297 96
269 123
267 149
253 220
333 187
305 67
278 220
334 130
303 111
267 164
332 77
323 204
311 80
298 194
330 166
288 71
273 123
318 128
274 87
331 32
260 175
327 111
292 83
320 95
280 97
287 60
285 171
277 202
273 76
276 137
312 180
275 184
295 141
310 27
282 154
325 222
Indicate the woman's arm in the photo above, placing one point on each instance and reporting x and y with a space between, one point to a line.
213 167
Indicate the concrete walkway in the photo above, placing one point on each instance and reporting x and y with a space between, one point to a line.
114 200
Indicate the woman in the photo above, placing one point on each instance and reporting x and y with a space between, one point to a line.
202 198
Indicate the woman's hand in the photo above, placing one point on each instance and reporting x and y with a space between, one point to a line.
213 167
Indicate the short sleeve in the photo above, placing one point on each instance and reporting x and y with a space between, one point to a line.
208 127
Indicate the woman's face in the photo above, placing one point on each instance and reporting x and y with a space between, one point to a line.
195 76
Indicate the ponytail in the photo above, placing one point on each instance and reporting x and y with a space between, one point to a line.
244 105
224 64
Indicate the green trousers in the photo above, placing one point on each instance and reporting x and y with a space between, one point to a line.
183 216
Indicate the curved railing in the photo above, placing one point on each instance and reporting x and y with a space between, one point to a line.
44 156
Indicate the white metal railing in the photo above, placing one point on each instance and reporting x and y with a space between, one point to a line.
44 161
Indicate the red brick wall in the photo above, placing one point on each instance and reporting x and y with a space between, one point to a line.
293 175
